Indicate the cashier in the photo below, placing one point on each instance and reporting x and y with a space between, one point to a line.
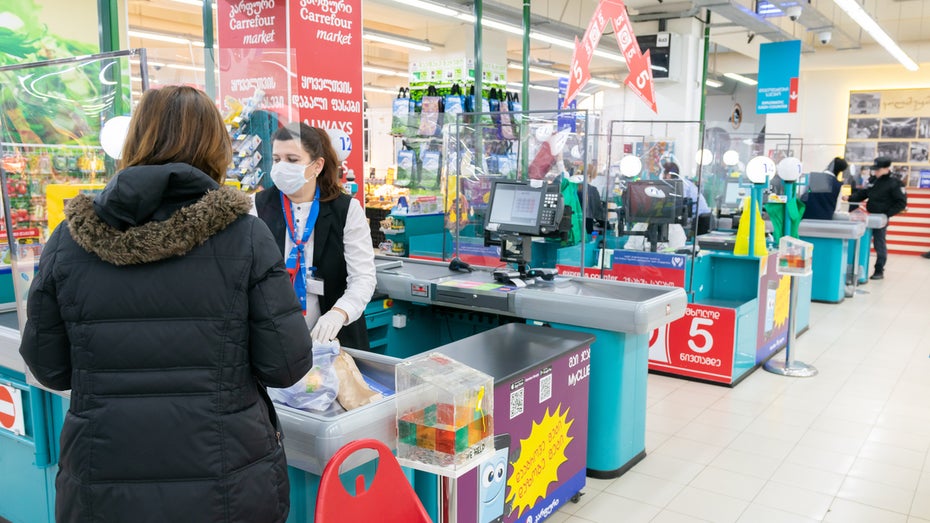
322 233
823 191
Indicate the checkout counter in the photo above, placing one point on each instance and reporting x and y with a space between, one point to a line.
620 315
859 251
831 239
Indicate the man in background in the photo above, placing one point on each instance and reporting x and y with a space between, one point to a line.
884 195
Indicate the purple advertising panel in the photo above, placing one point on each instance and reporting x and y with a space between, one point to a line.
774 301
540 425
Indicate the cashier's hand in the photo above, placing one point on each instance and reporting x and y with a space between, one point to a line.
327 327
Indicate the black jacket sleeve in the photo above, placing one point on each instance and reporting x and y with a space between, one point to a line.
279 341
898 200
858 195
45 345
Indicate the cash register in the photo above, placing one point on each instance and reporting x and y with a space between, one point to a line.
517 213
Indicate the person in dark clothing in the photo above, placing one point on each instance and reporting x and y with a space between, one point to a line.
823 191
594 211
884 195
312 218
166 309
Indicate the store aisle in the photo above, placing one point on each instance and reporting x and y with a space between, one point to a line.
850 445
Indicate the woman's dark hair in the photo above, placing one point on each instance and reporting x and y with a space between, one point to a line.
178 124
317 144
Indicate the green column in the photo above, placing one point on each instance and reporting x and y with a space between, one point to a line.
209 57
108 27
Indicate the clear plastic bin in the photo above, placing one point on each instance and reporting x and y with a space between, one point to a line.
311 438
795 257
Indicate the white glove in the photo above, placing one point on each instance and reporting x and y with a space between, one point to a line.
327 327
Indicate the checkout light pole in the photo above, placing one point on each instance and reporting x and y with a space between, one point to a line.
789 170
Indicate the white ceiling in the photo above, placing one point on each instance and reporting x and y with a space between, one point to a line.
906 21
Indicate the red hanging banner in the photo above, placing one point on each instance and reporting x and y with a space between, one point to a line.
640 78
327 38
253 56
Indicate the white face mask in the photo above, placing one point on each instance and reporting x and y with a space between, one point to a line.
288 177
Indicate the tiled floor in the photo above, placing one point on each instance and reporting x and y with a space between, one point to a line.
849 445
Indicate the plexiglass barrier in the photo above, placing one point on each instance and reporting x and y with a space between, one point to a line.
54 115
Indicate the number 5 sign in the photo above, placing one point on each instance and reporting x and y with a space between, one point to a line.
699 345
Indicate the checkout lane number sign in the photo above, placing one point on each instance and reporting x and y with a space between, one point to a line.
11 410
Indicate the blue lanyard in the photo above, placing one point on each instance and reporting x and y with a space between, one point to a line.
293 263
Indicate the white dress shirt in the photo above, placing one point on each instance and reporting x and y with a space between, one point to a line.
359 258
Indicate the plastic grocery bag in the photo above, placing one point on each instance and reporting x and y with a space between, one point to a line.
318 388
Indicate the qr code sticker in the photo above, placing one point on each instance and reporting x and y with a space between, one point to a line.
545 388
516 403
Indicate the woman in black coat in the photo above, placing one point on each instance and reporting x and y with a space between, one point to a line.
166 309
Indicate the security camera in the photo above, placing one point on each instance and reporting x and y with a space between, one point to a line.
794 12
824 37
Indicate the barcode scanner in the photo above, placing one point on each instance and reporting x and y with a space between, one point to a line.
459 266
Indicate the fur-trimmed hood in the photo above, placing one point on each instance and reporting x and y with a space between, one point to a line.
152 213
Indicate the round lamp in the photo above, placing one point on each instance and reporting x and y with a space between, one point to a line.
731 157
631 166
704 157
760 169
789 169
341 143
113 135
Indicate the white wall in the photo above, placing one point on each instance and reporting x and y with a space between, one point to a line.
823 106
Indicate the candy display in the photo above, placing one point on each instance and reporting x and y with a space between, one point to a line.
445 411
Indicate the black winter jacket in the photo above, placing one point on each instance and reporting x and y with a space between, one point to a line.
327 242
886 196
166 309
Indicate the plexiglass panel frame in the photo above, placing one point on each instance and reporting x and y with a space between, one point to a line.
50 127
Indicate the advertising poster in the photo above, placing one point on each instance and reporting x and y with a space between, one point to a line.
327 38
779 66
540 445
774 302
648 268
253 55
700 344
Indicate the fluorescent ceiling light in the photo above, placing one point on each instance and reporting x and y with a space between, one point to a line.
159 37
381 70
546 88
710 82
563 74
373 89
470 18
427 6
603 83
858 14
610 56
542 37
500 26
391 40
740 78
541 70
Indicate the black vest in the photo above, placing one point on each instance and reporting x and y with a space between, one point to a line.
328 254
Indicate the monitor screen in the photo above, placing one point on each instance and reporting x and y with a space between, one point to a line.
514 207
654 201
732 197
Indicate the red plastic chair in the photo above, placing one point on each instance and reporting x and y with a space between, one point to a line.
390 497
